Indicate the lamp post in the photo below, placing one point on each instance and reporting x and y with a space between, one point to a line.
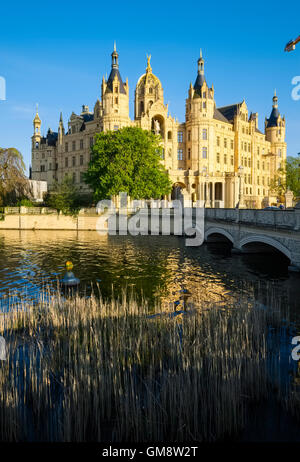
241 168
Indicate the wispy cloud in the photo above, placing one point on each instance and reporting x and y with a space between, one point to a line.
27 109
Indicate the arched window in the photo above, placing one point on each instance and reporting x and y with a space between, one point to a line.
37 145
151 90
141 107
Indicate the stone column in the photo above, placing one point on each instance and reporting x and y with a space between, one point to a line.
288 199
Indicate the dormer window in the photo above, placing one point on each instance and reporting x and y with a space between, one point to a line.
204 94
151 90
116 89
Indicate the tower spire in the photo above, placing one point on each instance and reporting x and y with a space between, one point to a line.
275 100
114 58
201 64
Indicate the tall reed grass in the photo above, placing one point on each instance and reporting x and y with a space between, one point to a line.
84 369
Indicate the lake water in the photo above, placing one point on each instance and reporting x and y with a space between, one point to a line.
158 267
154 266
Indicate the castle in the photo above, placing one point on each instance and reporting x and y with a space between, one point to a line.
218 155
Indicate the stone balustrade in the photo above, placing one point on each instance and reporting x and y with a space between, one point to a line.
285 219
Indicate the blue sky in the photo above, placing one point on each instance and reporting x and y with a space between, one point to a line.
55 53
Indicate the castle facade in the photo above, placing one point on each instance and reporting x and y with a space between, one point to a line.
218 155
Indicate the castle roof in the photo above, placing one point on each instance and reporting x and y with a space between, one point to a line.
273 120
51 138
229 112
219 116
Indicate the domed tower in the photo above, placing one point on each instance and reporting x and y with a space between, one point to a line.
36 128
148 91
35 147
275 133
200 106
152 114
36 138
115 97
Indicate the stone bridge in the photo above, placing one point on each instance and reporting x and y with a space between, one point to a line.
257 231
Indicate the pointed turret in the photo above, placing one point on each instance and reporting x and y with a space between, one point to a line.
275 128
273 120
115 97
115 76
200 77
61 129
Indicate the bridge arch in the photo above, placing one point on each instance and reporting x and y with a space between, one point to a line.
222 233
266 241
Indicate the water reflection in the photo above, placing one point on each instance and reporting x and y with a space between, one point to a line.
151 265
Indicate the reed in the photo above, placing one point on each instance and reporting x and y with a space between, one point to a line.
85 369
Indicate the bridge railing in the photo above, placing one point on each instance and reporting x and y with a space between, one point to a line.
288 219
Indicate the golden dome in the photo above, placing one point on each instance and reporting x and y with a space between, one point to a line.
148 78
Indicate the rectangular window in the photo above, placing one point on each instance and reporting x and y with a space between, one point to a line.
180 154
66 162
180 137
81 160
231 144
66 147
81 177
204 105
73 161
204 134
42 168
74 177
91 142
81 144
73 145
232 160
225 159
218 157
189 153
225 142
116 100
218 141
189 136
204 153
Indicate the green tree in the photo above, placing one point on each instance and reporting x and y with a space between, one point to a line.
63 196
287 178
13 182
127 160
